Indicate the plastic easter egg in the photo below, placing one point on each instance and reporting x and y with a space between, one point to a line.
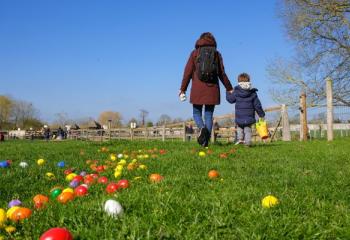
70 176
120 155
89 180
65 197
94 175
143 167
55 193
117 174
83 173
81 191
78 178
155 178
123 183
40 200
56 234
103 180
112 187
14 202
21 214
2 217
40 161
68 171
85 185
68 190
201 154
23 164
100 168
269 201
50 176
10 229
113 208
113 157
213 174
4 164
134 161
132 166
74 184
122 162
11 210
119 168
61 164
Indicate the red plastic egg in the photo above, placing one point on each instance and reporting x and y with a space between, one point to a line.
103 180
112 187
56 234
78 178
100 168
80 191
123 183
68 171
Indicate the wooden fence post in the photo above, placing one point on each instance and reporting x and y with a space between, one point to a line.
163 136
184 131
303 117
131 134
285 124
329 90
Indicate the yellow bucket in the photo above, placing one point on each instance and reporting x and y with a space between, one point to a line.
261 128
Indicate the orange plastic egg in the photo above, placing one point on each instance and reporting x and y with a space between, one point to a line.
65 197
40 200
21 214
155 177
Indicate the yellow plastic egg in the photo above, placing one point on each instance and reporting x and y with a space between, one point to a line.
40 161
2 217
70 176
68 190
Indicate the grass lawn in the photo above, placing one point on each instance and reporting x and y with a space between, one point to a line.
311 181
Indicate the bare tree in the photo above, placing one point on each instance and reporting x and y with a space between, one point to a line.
23 111
6 105
62 119
320 30
114 117
164 119
143 114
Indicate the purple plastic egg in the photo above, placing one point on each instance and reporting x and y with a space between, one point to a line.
74 184
14 202
83 173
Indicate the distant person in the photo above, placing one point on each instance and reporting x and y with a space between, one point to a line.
247 103
2 137
47 133
60 133
205 67
189 131
216 129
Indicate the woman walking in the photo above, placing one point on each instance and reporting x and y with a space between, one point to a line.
205 67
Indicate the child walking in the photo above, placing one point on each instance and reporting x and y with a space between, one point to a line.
247 103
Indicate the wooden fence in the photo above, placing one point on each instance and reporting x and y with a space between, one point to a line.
178 130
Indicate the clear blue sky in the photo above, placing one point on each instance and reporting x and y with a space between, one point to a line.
84 57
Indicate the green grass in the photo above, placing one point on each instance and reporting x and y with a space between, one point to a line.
311 180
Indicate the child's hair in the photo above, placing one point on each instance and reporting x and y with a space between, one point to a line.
243 77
